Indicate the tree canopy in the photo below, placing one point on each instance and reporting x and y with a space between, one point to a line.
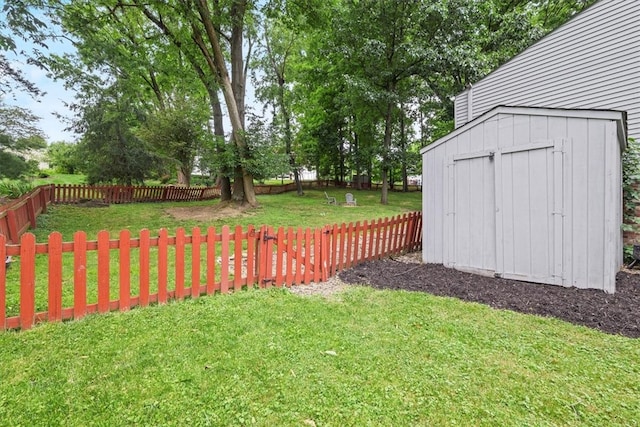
350 88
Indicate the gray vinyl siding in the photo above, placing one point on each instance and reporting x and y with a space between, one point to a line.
592 62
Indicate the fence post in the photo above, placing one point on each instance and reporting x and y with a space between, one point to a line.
12 224
31 212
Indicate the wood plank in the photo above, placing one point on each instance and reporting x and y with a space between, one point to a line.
55 277
224 267
163 266
125 270
195 263
280 250
104 271
79 275
180 248
27 280
145 261
237 258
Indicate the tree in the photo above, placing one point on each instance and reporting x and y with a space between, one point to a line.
16 20
63 158
195 30
177 133
19 138
111 151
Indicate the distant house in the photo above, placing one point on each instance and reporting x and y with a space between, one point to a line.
591 62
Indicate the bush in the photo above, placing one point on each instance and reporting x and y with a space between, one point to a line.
13 188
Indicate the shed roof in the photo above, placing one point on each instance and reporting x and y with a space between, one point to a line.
619 116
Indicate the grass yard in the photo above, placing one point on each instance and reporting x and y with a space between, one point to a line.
285 209
364 357
272 358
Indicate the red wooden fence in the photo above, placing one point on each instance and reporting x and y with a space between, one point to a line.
117 274
116 194
21 214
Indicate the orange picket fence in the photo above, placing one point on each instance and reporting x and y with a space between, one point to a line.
68 280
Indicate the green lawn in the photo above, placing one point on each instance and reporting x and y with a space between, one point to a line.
285 209
271 358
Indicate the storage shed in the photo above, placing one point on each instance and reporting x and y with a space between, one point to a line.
533 194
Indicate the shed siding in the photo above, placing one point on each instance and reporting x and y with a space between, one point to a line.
592 62
534 196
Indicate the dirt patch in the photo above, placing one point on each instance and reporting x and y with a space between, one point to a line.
208 213
615 314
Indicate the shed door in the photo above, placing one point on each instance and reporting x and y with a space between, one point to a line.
474 245
529 212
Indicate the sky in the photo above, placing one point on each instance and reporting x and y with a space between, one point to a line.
54 99
56 95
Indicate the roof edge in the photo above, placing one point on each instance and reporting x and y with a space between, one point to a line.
619 116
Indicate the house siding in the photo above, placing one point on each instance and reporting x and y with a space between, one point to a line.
591 62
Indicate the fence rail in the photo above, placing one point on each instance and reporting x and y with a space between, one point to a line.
107 274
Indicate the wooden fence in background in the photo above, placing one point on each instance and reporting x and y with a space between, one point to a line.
117 194
117 274
19 215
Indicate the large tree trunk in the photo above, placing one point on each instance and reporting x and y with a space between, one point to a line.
184 176
218 132
403 151
234 101
386 144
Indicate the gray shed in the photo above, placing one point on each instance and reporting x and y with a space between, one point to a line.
532 194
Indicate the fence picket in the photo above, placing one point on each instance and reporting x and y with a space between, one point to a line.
125 270
163 267
237 258
195 263
289 274
180 242
211 260
307 256
280 249
251 255
79 275
55 277
145 264
27 280
268 258
298 251
224 267
317 257
104 273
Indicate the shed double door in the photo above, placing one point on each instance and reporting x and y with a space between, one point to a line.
508 212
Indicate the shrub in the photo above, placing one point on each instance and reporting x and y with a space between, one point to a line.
13 188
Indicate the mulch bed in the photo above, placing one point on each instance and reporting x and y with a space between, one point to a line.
615 314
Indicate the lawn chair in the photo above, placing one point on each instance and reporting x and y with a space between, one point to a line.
330 200
350 200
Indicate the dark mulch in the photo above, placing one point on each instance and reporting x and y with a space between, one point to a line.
615 314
